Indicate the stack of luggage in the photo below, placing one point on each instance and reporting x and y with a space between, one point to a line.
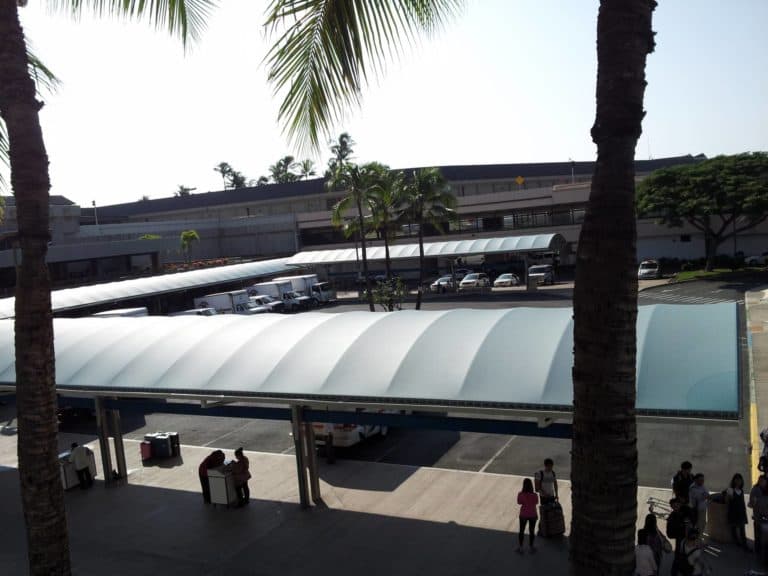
552 522
160 445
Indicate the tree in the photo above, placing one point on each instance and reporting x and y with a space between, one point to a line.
341 151
721 197
41 490
427 200
187 238
357 182
321 59
183 191
306 168
225 170
384 201
144 198
281 170
230 177
262 181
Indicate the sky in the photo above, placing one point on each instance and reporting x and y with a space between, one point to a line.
504 82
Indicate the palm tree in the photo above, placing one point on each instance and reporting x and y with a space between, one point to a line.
41 491
341 151
225 170
322 58
306 168
357 182
187 238
281 170
427 199
384 201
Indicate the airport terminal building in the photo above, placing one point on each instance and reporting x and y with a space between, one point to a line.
109 242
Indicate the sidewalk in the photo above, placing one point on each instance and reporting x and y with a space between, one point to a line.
756 303
377 519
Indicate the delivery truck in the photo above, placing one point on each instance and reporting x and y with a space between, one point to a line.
309 285
235 302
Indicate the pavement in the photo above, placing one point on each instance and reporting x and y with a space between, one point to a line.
375 518
757 342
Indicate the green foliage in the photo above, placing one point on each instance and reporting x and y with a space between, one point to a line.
427 199
150 237
326 49
187 238
390 294
341 151
185 19
725 188
281 171
722 196
183 191
230 177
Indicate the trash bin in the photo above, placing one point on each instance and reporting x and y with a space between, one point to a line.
717 522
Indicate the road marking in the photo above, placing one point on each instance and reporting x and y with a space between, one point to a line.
225 435
498 453
754 440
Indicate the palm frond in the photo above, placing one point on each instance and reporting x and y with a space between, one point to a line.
45 79
326 48
183 18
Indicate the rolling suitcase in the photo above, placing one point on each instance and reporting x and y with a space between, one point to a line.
552 520
146 450
175 444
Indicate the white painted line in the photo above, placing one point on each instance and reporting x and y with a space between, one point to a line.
227 434
498 453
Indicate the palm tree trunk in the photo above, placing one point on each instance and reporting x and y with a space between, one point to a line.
388 268
421 265
604 451
41 491
364 254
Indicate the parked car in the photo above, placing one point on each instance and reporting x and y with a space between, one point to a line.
475 280
345 435
649 269
507 279
543 273
759 260
442 284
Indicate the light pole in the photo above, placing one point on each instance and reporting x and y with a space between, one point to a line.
573 170
95 215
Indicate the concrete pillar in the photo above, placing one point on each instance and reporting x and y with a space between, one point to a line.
102 427
298 442
311 455
117 433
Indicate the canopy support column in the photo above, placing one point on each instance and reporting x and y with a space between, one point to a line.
102 428
311 454
299 443
117 433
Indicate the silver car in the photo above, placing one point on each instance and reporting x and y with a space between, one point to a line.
649 269
475 280
507 279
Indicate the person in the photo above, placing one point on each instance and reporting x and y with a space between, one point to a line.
691 561
758 501
737 510
678 524
546 483
653 538
241 473
528 501
645 563
682 481
213 460
699 499
80 457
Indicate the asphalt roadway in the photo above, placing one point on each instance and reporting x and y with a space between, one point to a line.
718 450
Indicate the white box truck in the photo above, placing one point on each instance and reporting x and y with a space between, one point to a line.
235 302
309 285
279 290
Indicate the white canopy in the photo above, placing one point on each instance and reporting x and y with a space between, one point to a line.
70 298
518 358
452 248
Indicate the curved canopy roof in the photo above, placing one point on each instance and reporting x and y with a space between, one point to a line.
518 358
70 298
452 248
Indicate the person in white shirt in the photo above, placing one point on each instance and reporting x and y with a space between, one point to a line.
546 482
80 458
699 499
645 563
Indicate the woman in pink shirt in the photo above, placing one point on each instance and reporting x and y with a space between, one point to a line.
528 500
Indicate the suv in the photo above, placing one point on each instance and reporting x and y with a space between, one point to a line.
475 280
649 269
543 273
